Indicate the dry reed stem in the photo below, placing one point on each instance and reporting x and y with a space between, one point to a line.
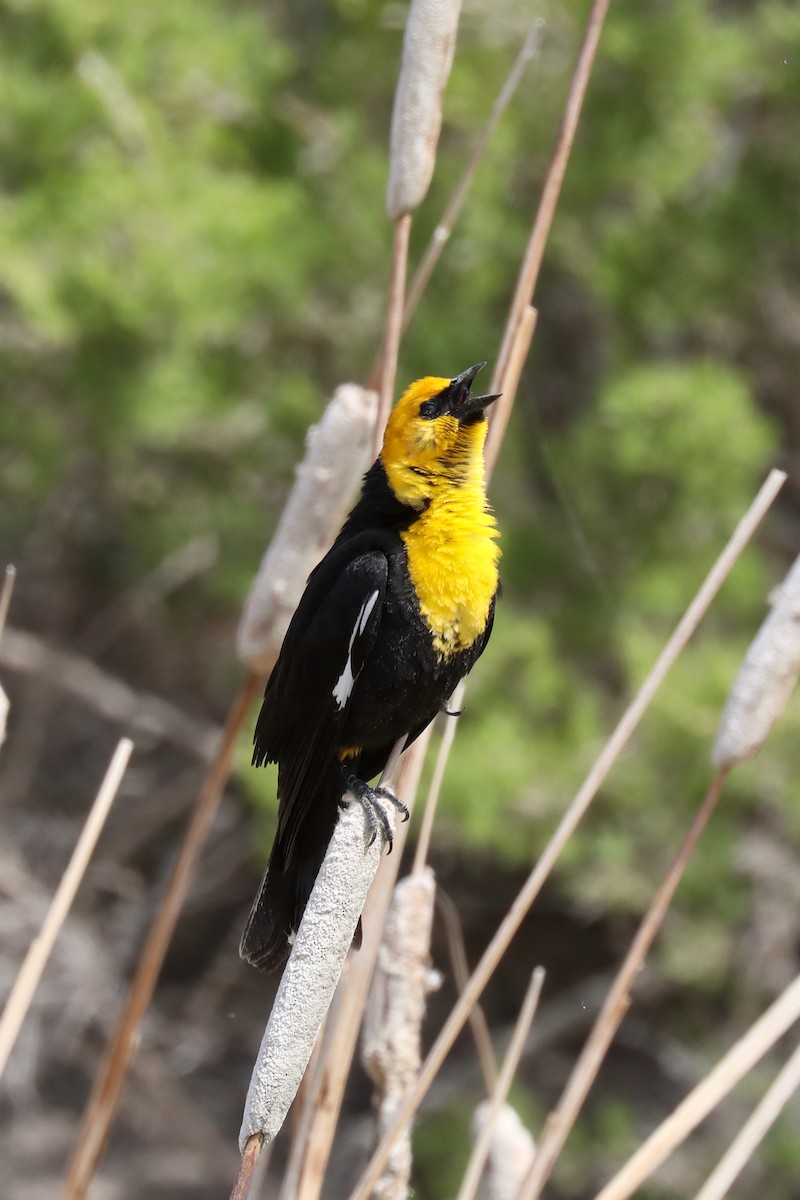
616 1005
9 579
530 890
33 965
534 252
765 679
730 1069
312 1146
102 1106
480 1150
338 450
751 1134
458 964
507 383
394 327
250 1157
442 232
435 787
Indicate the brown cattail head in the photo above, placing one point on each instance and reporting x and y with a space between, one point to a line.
765 680
337 454
428 48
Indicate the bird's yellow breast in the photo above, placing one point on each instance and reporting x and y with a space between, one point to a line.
452 559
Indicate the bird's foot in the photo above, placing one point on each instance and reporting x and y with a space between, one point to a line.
370 800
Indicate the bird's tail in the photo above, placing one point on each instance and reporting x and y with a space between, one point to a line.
293 867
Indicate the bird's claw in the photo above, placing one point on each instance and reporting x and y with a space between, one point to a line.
370 800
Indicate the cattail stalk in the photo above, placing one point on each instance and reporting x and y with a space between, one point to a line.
765 680
492 1108
750 1136
428 48
393 1016
101 1109
616 1005
443 230
313 968
312 1145
740 1059
337 455
35 961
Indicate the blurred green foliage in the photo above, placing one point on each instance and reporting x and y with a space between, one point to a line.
194 253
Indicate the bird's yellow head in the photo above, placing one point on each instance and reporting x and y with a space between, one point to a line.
434 437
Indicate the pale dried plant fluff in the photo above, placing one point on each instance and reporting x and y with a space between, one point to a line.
311 973
511 1153
391 1041
765 680
428 47
337 454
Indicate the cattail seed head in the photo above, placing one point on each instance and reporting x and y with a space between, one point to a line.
428 48
765 680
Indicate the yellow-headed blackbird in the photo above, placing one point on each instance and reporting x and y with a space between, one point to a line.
397 612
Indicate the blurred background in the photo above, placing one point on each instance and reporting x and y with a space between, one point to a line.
193 254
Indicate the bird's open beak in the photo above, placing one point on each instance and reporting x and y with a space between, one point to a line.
466 406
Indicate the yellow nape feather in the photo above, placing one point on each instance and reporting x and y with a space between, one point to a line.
436 466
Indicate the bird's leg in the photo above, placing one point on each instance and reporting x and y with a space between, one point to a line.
369 798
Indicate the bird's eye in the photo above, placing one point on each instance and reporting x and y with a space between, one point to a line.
429 409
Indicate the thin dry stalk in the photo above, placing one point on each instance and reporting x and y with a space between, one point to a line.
100 1111
479 1026
250 1156
394 325
507 383
435 788
740 1059
616 1005
39 951
442 232
9 579
750 1136
532 260
480 1151
312 1146
530 890
337 454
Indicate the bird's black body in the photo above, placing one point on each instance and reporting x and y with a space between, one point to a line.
358 669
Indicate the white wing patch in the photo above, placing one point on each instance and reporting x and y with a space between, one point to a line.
344 684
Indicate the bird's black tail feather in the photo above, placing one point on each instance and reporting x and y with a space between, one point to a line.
289 879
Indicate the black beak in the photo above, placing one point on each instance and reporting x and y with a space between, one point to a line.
466 407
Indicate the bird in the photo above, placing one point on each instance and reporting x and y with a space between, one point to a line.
393 617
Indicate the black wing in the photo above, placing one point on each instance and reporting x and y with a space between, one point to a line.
323 653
